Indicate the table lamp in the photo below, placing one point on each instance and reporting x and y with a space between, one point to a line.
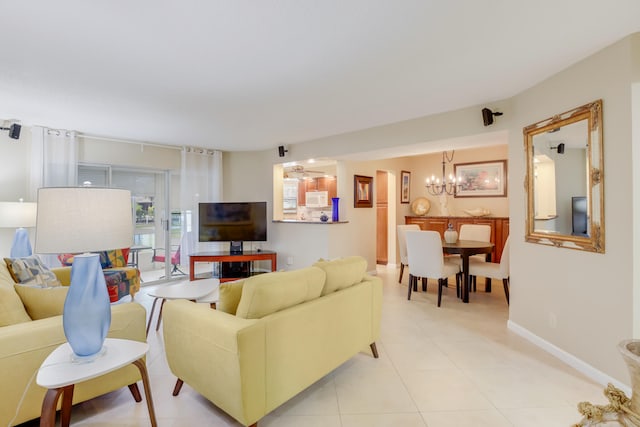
18 215
81 220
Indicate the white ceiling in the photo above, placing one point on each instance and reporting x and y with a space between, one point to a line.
249 74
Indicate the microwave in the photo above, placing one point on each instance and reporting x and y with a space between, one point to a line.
317 199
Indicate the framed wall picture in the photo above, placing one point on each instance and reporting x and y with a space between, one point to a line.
482 179
405 185
362 191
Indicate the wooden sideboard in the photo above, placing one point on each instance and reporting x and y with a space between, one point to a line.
499 227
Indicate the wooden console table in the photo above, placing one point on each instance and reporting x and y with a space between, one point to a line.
229 257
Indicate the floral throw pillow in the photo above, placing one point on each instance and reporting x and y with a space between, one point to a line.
31 271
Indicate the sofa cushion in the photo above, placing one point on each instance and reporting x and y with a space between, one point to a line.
31 271
229 296
267 293
11 309
41 303
342 272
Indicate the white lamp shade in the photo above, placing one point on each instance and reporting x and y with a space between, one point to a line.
17 214
83 219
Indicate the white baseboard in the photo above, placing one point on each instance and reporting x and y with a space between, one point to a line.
578 364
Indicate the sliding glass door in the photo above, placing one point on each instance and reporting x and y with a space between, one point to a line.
156 230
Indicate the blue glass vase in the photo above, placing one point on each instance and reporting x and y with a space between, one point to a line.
335 215
87 310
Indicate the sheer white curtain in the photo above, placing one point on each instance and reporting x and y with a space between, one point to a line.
54 163
200 181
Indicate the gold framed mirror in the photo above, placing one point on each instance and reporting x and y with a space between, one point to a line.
565 180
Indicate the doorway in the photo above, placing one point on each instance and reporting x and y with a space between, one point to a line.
382 217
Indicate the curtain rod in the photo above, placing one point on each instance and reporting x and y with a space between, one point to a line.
126 141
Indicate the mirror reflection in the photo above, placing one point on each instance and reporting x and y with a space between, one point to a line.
560 162
565 204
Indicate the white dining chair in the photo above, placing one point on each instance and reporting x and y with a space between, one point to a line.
493 270
402 245
480 233
426 261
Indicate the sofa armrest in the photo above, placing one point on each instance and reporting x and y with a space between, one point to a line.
220 355
24 346
376 304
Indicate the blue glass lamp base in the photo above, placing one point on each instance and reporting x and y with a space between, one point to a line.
87 310
21 247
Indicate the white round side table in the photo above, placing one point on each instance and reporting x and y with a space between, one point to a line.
204 290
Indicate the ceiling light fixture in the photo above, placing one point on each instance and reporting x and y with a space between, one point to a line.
435 187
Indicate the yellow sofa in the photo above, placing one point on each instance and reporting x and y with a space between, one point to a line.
31 328
279 333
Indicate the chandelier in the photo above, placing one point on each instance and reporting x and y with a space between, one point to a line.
436 186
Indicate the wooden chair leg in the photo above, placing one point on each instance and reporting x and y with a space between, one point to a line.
424 284
410 286
401 271
135 391
505 282
487 284
374 349
177 387
415 284
440 284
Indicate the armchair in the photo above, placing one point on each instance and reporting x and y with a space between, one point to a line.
120 279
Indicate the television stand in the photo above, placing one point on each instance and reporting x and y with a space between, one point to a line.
235 248
228 257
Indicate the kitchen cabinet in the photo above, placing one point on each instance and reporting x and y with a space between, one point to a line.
322 183
499 227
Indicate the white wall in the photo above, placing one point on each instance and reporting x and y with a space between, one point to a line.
248 177
422 167
591 295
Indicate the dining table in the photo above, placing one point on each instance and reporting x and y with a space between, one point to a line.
467 248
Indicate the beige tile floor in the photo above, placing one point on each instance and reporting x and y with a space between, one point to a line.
454 366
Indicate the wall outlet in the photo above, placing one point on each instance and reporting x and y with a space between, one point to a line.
553 320
290 260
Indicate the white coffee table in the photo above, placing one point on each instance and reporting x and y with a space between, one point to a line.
204 290
59 373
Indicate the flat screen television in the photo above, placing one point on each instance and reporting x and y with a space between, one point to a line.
579 216
234 222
